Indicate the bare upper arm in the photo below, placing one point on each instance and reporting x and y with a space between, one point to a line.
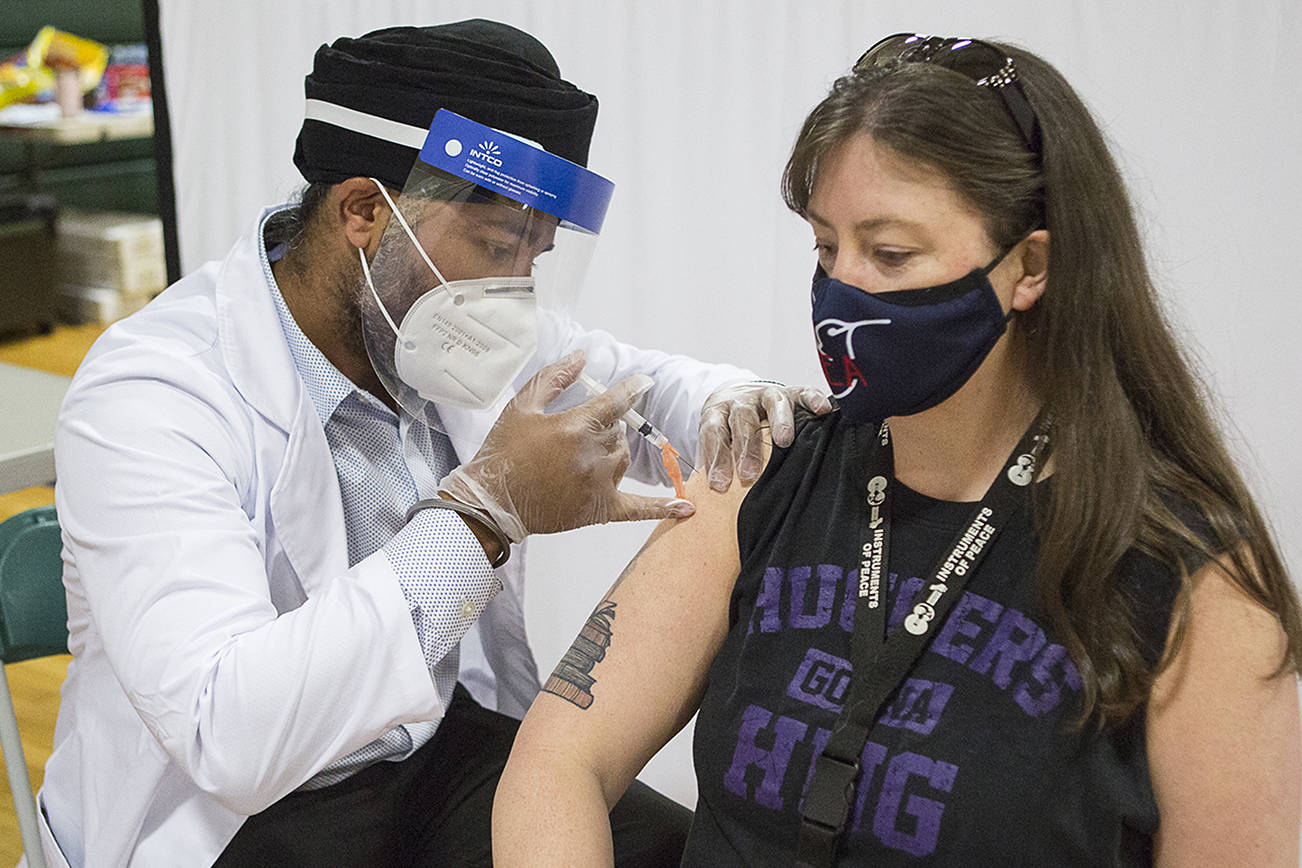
1224 743
634 675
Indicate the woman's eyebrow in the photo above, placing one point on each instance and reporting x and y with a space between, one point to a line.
869 224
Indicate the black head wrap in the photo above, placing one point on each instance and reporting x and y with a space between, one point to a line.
489 72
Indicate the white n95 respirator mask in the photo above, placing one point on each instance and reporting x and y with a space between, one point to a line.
464 341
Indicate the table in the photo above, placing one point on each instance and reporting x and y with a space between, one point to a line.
31 405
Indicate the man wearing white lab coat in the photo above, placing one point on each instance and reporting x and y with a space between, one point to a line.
225 651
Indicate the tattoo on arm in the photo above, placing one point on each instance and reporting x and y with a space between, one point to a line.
572 679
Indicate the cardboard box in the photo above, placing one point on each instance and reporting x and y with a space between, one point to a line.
112 249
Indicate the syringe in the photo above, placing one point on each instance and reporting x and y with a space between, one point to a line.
668 454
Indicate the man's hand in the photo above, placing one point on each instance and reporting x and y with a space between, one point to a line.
541 473
731 422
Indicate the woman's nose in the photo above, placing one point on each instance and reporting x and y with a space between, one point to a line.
853 271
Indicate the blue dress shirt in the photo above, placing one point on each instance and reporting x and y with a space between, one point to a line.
385 462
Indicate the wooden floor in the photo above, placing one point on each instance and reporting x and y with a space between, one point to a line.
35 683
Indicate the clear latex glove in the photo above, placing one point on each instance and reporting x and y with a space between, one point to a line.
731 426
544 473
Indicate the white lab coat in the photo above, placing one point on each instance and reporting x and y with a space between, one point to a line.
223 651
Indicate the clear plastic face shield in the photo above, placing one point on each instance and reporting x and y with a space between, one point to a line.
489 234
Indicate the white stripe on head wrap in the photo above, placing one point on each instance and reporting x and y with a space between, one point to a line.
377 127
368 125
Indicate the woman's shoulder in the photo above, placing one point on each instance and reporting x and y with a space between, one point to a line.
825 422
822 443
1176 541
819 432
815 470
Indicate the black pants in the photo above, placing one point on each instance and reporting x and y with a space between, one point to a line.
434 808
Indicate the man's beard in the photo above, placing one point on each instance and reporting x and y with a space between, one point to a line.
346 318
400 277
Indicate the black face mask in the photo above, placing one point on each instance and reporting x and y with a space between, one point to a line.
899 353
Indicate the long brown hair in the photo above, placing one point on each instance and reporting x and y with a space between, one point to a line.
1132 429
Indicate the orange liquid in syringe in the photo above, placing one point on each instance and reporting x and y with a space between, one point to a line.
669 456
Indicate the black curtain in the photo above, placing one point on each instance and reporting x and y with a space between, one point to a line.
162 143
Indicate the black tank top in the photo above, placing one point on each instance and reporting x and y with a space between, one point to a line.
975 761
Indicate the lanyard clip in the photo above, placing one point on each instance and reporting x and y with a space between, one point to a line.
827 803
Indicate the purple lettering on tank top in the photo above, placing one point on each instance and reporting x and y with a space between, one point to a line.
772 762
903 805
801 617
1051 669
1017 639
962 625
918 705
895 814
822 680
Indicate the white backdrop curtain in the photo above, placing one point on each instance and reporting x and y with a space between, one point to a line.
700 102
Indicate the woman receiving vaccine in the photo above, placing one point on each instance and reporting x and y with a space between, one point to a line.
1012 603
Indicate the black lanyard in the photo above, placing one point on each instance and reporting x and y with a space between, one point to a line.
882 663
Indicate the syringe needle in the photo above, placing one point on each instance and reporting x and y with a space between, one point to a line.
669 456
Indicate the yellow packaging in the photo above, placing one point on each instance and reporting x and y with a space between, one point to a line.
56 48
23 84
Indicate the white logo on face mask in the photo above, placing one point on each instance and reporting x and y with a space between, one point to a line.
834 328
463 341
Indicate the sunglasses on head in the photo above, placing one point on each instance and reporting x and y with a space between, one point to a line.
981 62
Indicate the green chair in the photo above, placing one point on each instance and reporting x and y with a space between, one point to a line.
33 623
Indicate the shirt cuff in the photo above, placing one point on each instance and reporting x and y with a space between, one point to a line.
445 576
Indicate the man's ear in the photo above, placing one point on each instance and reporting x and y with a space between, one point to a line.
1034 259
361 212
